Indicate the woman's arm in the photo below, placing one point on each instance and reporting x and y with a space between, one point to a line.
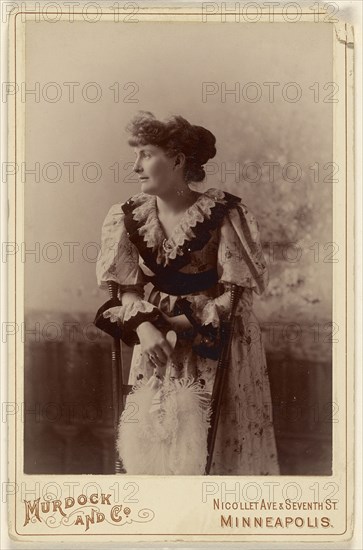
152 341
179 323
239 262
128 298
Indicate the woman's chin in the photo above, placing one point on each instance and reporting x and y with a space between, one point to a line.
148 187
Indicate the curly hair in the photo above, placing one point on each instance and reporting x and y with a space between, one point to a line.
175 135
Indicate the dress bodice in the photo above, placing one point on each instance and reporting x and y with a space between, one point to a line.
217 240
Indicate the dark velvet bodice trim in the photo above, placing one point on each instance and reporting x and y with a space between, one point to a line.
202 231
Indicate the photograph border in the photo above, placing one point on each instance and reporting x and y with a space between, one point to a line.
343 152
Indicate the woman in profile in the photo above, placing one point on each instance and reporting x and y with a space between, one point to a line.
175 253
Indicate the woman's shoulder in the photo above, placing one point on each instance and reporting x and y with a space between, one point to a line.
113 216
221 196
229 202
136 200
117 210
232 212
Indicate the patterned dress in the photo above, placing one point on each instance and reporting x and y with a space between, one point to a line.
216 244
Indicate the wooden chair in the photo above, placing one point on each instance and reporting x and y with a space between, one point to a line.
119 389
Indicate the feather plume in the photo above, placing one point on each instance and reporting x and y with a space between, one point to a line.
163 429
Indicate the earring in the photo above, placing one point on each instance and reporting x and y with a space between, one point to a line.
180 192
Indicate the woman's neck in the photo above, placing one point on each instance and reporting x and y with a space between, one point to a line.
176 202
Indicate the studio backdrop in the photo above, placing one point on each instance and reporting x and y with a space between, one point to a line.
271 110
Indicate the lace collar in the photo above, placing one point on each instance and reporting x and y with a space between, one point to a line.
192 232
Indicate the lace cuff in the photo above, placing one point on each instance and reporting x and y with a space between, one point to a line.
130 316
206 336
205 314
208 312
121 321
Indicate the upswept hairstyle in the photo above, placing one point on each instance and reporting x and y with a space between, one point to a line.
175 135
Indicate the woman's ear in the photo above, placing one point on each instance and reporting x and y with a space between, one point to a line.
179 160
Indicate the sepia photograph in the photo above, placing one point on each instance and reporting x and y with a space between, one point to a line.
224 178
180 259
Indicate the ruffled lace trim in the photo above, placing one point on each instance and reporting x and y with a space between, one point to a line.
144 213
197 213
210 311
130 316
207 311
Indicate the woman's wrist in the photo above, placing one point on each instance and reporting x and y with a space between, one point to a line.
180 323
145 325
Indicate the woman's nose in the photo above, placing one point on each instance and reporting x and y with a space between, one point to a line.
137 166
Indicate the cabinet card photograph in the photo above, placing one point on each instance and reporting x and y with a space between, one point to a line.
180 273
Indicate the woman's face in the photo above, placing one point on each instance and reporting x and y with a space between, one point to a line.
157 172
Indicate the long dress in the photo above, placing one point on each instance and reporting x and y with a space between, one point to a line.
216 244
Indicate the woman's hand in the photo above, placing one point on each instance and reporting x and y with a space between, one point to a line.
179 323
154 344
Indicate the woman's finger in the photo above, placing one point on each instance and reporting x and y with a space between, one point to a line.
162 356
160 351
156 358
166 348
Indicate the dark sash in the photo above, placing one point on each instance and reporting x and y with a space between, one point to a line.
178 283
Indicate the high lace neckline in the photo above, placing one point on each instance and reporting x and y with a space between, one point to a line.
176 227
153 232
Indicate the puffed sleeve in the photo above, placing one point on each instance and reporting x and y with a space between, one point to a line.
240 256
118 261
240 262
